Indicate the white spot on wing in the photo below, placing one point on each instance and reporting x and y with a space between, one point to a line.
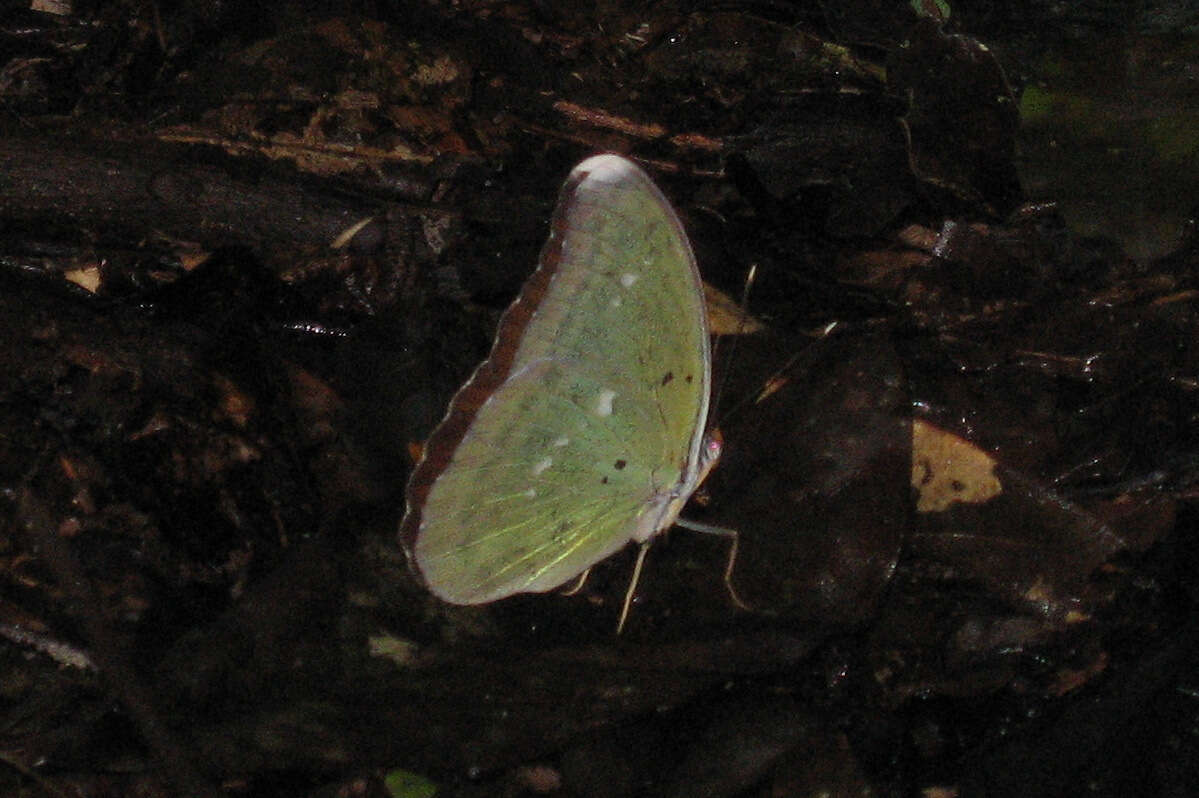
603 405
628 279
561 441
542 465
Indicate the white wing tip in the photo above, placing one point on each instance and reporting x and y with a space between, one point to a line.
608 168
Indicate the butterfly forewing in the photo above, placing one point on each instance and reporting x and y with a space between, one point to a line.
589 410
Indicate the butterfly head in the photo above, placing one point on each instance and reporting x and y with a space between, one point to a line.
709 453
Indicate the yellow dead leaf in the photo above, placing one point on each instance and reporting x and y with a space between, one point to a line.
726 317
87 278
948 469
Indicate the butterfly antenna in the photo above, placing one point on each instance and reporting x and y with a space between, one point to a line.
772 382
632 591
741 322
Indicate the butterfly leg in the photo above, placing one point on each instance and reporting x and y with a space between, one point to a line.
577 586
734 538
632 591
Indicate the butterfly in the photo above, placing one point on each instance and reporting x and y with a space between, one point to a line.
584 429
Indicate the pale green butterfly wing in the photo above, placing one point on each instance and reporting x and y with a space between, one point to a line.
584 427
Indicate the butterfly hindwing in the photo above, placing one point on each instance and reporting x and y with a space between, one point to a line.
588 412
